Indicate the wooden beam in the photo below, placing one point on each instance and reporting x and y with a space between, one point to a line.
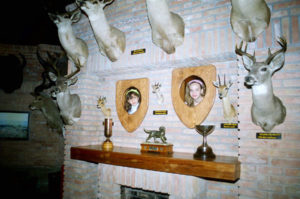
224 168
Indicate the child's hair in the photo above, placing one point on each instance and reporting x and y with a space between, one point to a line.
188 99
128 94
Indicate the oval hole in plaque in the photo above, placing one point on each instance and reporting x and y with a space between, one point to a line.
193 115
132 100
192 90
132 120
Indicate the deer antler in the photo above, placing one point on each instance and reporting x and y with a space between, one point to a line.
75 72
106 2
240 52
282 42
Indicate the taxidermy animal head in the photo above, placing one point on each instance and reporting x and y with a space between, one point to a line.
249 18
59 60
49 109
229 111
111 41
167 27
76 48
69 104
267 110
11 76
101 104
156 90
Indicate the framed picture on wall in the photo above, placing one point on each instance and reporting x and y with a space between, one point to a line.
14 125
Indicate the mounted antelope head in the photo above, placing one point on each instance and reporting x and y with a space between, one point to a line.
249 18
111 41
229 111
167 27
49 109
69 104
156 90
101 104
77 50
267 110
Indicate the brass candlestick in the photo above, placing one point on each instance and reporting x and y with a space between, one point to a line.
107 144
204 152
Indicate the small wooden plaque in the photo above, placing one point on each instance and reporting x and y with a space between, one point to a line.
156 147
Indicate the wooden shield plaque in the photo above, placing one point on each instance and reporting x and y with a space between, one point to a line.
191 116
132 121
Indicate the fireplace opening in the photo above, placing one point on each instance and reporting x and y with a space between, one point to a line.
134 193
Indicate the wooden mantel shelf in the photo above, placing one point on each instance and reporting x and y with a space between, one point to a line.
224 168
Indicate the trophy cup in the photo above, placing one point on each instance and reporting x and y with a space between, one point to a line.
107 144
204 152
108 123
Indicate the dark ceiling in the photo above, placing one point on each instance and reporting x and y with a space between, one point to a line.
27 22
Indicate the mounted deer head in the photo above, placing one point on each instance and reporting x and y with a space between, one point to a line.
167 27
249 18
69 104
267 110
229 111
156 90
77 50
111 41
101 104
49 109
59 60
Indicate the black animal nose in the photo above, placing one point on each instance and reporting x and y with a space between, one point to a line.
249 79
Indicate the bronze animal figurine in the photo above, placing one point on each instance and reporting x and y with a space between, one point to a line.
157 134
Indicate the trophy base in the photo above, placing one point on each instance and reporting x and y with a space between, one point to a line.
107 145
204 153
156 147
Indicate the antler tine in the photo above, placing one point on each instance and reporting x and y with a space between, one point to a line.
75 72
282 42
224 80
219 80
107 2
240 52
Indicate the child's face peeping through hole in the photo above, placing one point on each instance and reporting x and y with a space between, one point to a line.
133 99
195 91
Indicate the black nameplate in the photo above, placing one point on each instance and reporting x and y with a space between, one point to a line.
271 136
160 112
229 125
138 51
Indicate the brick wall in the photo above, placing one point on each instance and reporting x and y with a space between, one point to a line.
270 168
44 148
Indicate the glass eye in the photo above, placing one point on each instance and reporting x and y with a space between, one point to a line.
263 69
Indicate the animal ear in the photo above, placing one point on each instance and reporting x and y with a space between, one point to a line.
52 16
248 62
277 62
72 81
216 84
229 83
52 76
76 16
